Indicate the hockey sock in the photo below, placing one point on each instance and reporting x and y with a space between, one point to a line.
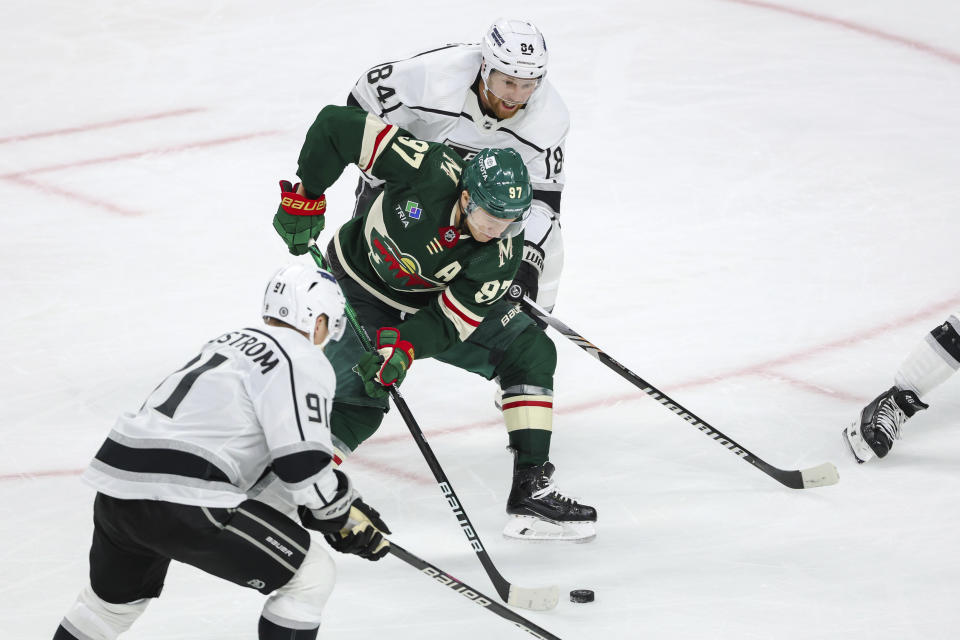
933 360
526 377
532 446
269 631
63 634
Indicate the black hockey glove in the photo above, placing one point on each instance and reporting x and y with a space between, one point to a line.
362 534
527 281
299 218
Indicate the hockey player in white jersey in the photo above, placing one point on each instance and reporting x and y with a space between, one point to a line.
473 96
177 480
932 361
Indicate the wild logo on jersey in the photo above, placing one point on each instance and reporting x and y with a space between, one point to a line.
397 269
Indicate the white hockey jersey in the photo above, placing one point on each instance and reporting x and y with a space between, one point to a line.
430 95
253 400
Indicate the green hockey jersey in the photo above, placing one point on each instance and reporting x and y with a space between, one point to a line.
408 250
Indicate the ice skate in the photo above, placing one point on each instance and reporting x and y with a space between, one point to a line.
880 422
538 511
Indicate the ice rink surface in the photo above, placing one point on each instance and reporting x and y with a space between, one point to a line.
761 218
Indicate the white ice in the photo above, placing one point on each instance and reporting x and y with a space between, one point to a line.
761 219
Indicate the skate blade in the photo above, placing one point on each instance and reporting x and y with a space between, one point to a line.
848 439
536 529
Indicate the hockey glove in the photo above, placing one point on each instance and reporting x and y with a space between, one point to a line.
362 534
299 219
387 365
333 516
527 280
348 523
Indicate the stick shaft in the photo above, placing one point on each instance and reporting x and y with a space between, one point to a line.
793 479
469 592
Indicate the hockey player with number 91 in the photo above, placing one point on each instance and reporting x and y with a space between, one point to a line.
180 479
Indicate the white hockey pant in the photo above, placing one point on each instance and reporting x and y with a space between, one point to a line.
296 605
91 618
299 603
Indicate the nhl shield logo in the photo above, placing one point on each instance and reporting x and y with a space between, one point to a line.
449 236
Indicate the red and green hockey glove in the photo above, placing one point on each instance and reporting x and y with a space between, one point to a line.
299 219
387 365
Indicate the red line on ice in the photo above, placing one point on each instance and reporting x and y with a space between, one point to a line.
944 54
72 195
139 154
944 307
22 177
101 125
763 368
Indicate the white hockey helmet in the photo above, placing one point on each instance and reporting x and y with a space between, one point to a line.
297 294
514 47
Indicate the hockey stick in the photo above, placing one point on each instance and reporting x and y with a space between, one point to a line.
537 599
469 592
821 475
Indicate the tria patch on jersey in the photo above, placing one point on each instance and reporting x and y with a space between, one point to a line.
449 236
411 213
413 209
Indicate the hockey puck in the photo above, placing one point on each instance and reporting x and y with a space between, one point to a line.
581 595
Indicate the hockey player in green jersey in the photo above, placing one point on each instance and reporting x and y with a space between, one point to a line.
426 268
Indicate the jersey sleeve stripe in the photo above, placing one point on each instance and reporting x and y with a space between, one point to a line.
296 468
462 318
376 136
144 461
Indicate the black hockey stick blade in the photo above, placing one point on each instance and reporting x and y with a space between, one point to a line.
470 593
821 475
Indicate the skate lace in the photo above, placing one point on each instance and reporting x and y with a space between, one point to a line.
548 487
890 418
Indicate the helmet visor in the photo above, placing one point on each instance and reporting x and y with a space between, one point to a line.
510 89
493 226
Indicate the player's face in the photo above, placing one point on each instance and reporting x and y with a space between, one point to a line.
483 226
504 95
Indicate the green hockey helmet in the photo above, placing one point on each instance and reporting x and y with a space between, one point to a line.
499 183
